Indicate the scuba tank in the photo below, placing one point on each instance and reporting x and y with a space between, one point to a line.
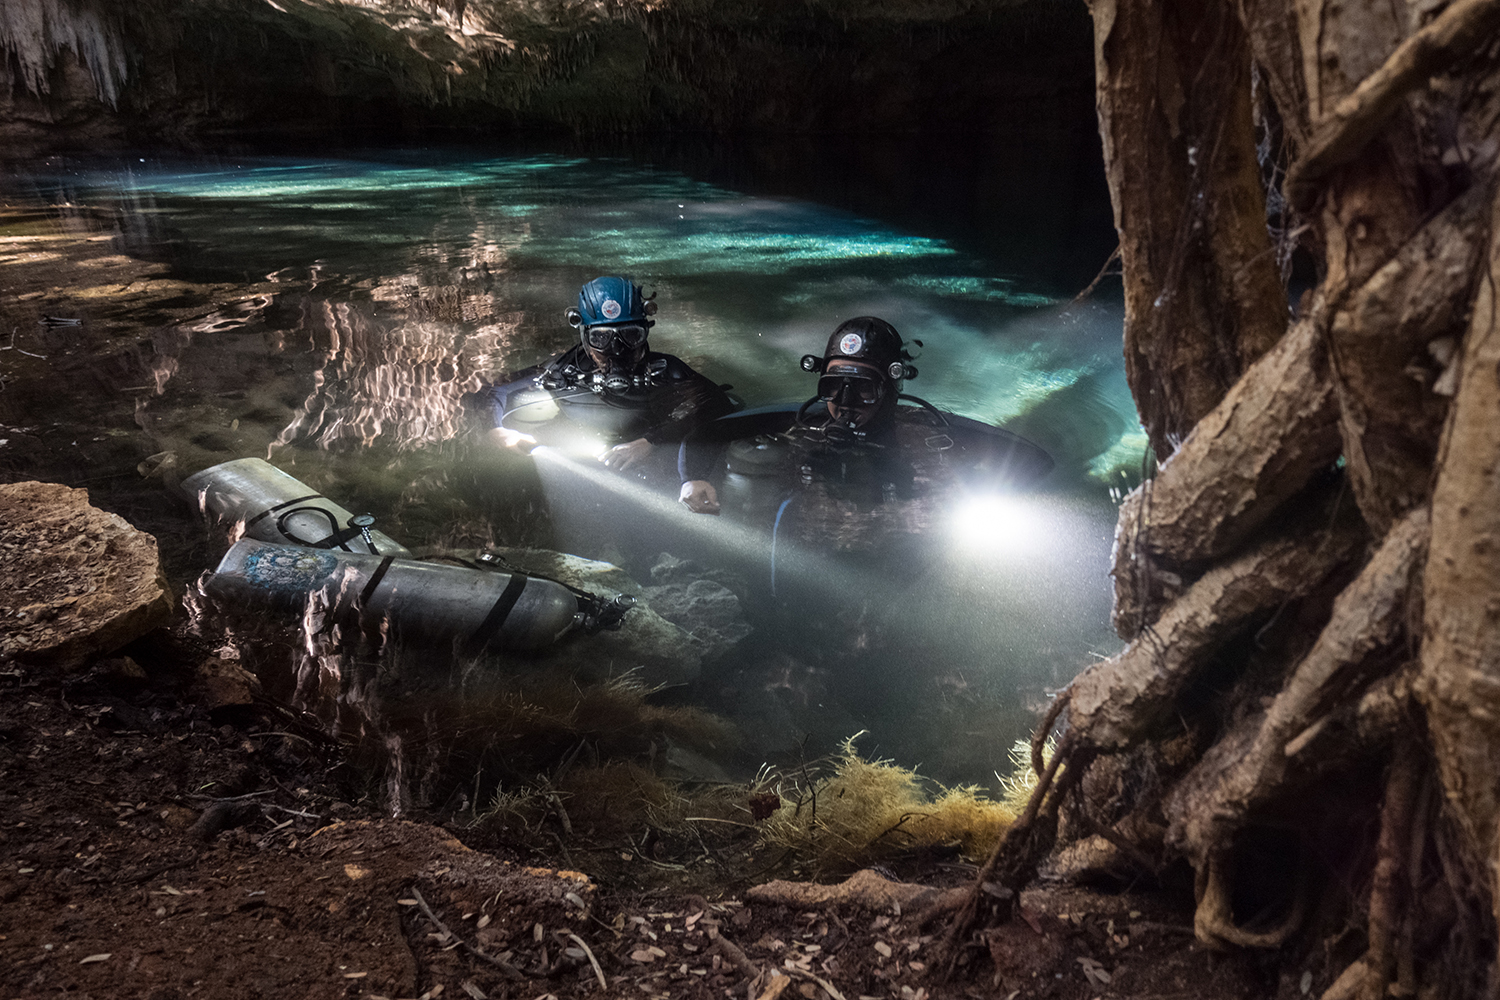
423 601
278 508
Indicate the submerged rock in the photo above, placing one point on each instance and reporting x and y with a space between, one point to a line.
79 581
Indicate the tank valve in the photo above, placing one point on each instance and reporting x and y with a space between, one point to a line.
596 614
364 522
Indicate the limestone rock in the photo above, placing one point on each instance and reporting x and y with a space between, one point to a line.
706 610
78 581
221 683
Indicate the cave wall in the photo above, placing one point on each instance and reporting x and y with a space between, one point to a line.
86 73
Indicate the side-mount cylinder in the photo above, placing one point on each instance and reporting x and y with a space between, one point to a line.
276 507
472 609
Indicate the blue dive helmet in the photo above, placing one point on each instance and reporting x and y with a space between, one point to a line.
611 300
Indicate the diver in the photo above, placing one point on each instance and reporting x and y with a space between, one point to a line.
852 469
610 390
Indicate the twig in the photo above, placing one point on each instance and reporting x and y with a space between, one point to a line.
603 983
233 798
817 979
499 963
735 956
294 812
290 736
710 819
1103 273
1039 738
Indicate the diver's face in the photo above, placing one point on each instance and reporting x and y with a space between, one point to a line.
854 392
616 347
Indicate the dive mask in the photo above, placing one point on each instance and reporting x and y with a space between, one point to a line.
851 390
615 339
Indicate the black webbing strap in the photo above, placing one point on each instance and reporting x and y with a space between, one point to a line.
280 506
375 578
496 618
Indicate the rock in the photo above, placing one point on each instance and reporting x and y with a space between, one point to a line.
706 610
221 683
79 582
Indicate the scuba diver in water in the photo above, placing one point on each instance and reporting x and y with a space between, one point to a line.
610 389
851 469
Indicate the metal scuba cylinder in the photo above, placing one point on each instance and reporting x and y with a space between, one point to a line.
279 508
424 602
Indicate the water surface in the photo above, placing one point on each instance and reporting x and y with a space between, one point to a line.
335 314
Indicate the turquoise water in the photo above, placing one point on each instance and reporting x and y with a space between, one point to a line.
348 305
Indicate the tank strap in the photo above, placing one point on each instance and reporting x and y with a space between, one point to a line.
495 620
271 510
375 578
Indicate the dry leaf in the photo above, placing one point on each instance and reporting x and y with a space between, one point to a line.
355 872
642 955
883 948
102 956
483 922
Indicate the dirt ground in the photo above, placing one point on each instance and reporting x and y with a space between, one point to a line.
150 848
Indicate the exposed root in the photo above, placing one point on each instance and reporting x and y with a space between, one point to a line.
1275 429
1118 700
864 889
1390 413
1213 921
1250 766
1340 136
1015 859
1387 898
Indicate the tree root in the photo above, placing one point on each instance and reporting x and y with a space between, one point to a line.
1213 920
1391 861
1389 414
1249 767
1013 863
1118 700
1275 429
1340 136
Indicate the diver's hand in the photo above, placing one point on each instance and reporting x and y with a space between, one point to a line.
517 440
700 496
623 456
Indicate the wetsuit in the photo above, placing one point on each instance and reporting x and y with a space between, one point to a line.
569 400
819 485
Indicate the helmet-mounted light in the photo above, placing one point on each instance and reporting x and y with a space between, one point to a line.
812 363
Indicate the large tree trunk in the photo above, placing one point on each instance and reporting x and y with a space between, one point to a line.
1384 120
1460 678
1176 120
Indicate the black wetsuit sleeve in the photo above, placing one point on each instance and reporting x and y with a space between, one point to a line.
702 454
687 400
499 394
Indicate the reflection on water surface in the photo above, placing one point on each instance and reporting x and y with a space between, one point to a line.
337 316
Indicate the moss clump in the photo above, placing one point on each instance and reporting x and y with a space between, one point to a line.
867 810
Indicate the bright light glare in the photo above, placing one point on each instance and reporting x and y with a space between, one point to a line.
999 525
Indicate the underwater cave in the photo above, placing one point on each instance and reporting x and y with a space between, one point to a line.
850 498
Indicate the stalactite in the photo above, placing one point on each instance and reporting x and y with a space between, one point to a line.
33 34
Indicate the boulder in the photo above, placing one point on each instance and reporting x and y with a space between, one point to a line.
79 582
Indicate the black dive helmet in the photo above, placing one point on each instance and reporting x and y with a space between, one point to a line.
872 341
